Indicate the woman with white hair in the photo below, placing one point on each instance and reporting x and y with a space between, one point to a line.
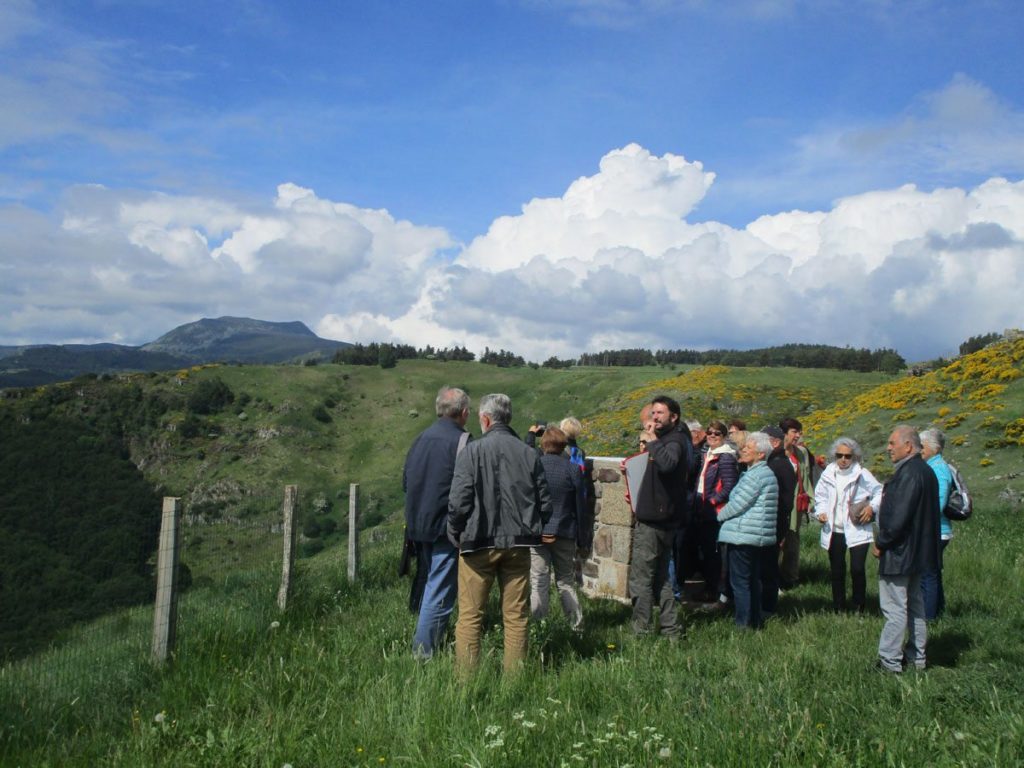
748 525
933 442
846 500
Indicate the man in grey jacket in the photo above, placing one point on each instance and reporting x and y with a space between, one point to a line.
907 546
497 508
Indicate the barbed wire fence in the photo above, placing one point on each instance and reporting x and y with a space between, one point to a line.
212 575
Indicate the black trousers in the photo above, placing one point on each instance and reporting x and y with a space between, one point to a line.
837 561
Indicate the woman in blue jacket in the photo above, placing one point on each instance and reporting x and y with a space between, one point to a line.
747 525
932 444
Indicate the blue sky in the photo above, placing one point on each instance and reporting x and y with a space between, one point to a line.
449 116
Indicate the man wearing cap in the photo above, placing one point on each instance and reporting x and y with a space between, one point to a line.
778 463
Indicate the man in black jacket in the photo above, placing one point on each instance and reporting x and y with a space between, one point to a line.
907 546
779 463
427 480
661 509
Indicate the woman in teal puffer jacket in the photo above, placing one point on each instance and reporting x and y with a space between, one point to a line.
747 525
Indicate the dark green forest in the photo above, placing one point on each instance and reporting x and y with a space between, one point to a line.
790 355
78 525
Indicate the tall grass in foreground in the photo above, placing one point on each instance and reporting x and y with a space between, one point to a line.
332 683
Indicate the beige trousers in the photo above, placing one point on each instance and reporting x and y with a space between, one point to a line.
477 573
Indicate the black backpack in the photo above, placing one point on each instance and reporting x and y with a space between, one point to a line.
960 505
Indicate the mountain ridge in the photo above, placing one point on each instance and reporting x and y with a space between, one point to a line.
224 339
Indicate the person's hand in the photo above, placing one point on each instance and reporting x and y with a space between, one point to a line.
876 551
547 538
454 537
822 517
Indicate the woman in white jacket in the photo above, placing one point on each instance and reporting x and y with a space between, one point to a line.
846 501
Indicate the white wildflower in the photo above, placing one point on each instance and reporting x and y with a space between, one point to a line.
160 717
275 624
528 724
664 753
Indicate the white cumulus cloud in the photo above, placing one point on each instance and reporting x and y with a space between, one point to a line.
613 262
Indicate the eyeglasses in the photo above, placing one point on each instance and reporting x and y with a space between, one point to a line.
715 432
844 456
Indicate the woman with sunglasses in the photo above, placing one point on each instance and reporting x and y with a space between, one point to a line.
718 475
846 500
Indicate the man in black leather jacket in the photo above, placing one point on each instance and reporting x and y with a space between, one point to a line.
907 546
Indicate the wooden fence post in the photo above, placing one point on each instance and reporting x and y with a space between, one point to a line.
165 610
291 503
353 531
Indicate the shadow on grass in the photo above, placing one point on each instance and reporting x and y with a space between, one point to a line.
946 648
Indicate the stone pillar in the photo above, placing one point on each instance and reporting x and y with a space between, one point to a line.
606 573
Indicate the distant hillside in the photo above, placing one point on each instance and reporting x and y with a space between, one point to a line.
225 339
977 400
243 340
47 364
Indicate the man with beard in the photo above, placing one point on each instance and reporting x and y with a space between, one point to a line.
661 509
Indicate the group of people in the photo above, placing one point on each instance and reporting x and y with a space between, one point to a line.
738 501
721 500
749 495
493 509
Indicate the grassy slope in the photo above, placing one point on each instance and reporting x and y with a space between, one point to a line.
371 424
333 684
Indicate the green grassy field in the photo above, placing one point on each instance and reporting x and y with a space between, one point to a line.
332 682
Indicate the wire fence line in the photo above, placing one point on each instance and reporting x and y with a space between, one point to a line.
219 570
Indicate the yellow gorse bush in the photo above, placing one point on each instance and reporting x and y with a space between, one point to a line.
969 385
975 380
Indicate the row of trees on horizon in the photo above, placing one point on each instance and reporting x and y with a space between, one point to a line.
792 355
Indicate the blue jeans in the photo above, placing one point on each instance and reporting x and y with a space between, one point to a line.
438 596
745 577
931 589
